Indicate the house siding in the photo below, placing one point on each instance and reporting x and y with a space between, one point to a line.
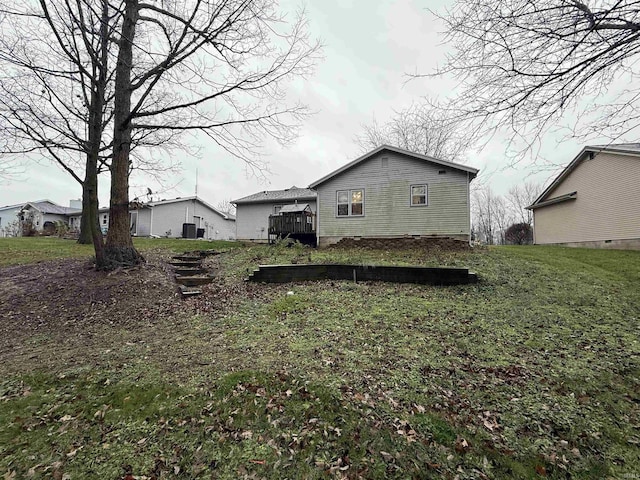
144 222
606 206
7 216
171 216
252 219
387 209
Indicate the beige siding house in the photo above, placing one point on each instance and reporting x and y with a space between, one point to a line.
393 193
594 202
252 212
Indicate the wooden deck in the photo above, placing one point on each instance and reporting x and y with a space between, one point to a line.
283 225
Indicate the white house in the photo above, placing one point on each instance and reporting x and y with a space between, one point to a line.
252 212
165 218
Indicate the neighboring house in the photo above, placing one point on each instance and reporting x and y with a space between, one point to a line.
9 215
252 212
44 214
165 218
594 202
393 193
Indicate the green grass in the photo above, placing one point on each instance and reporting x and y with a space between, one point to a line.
532 372
23 250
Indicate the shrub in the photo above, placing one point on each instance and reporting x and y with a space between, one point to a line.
519 234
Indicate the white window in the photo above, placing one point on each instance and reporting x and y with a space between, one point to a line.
419 195
350 203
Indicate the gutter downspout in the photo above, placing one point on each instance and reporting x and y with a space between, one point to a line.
151 223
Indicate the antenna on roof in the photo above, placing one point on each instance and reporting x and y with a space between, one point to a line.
196 181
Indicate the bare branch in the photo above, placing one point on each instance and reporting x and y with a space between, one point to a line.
523 66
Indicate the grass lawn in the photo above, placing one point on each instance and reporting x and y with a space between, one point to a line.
533 372
18 251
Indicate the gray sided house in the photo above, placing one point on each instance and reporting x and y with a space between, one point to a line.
393 193
252 212
165 218
9 218
44 214
593 202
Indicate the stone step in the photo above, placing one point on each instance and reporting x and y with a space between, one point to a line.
187 258
192 281
189 291
192 264
185 271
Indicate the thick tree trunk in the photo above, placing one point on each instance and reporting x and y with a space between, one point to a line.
119 250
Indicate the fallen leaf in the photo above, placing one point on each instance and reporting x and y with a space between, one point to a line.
540 470
386 456
461 445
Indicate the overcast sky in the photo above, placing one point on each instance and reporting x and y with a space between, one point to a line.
369 47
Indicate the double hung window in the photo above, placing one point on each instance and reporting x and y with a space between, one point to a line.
418 195
350 203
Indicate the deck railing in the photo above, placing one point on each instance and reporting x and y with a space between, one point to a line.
291 223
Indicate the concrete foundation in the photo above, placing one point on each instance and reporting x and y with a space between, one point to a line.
626 244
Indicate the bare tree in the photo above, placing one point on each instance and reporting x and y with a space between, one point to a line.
226 206
521 196
54 91
522 65
200 65
421 129
490 216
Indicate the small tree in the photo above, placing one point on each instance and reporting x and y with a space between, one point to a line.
12 229
226 206
521 196
490 216
519 234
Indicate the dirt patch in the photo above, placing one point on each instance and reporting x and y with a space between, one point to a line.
422 243
62 313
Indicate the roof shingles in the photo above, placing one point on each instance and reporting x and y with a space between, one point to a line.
288 195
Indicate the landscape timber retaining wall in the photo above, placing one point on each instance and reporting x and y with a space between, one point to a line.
420 275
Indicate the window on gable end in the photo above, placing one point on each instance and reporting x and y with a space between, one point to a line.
419 195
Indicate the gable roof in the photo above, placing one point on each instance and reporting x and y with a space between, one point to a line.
287 195
632 149
47 206
225 215
400 151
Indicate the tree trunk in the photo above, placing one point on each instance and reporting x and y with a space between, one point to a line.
85 237
90 222
119 250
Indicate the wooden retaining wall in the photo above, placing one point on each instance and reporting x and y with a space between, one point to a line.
420 275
